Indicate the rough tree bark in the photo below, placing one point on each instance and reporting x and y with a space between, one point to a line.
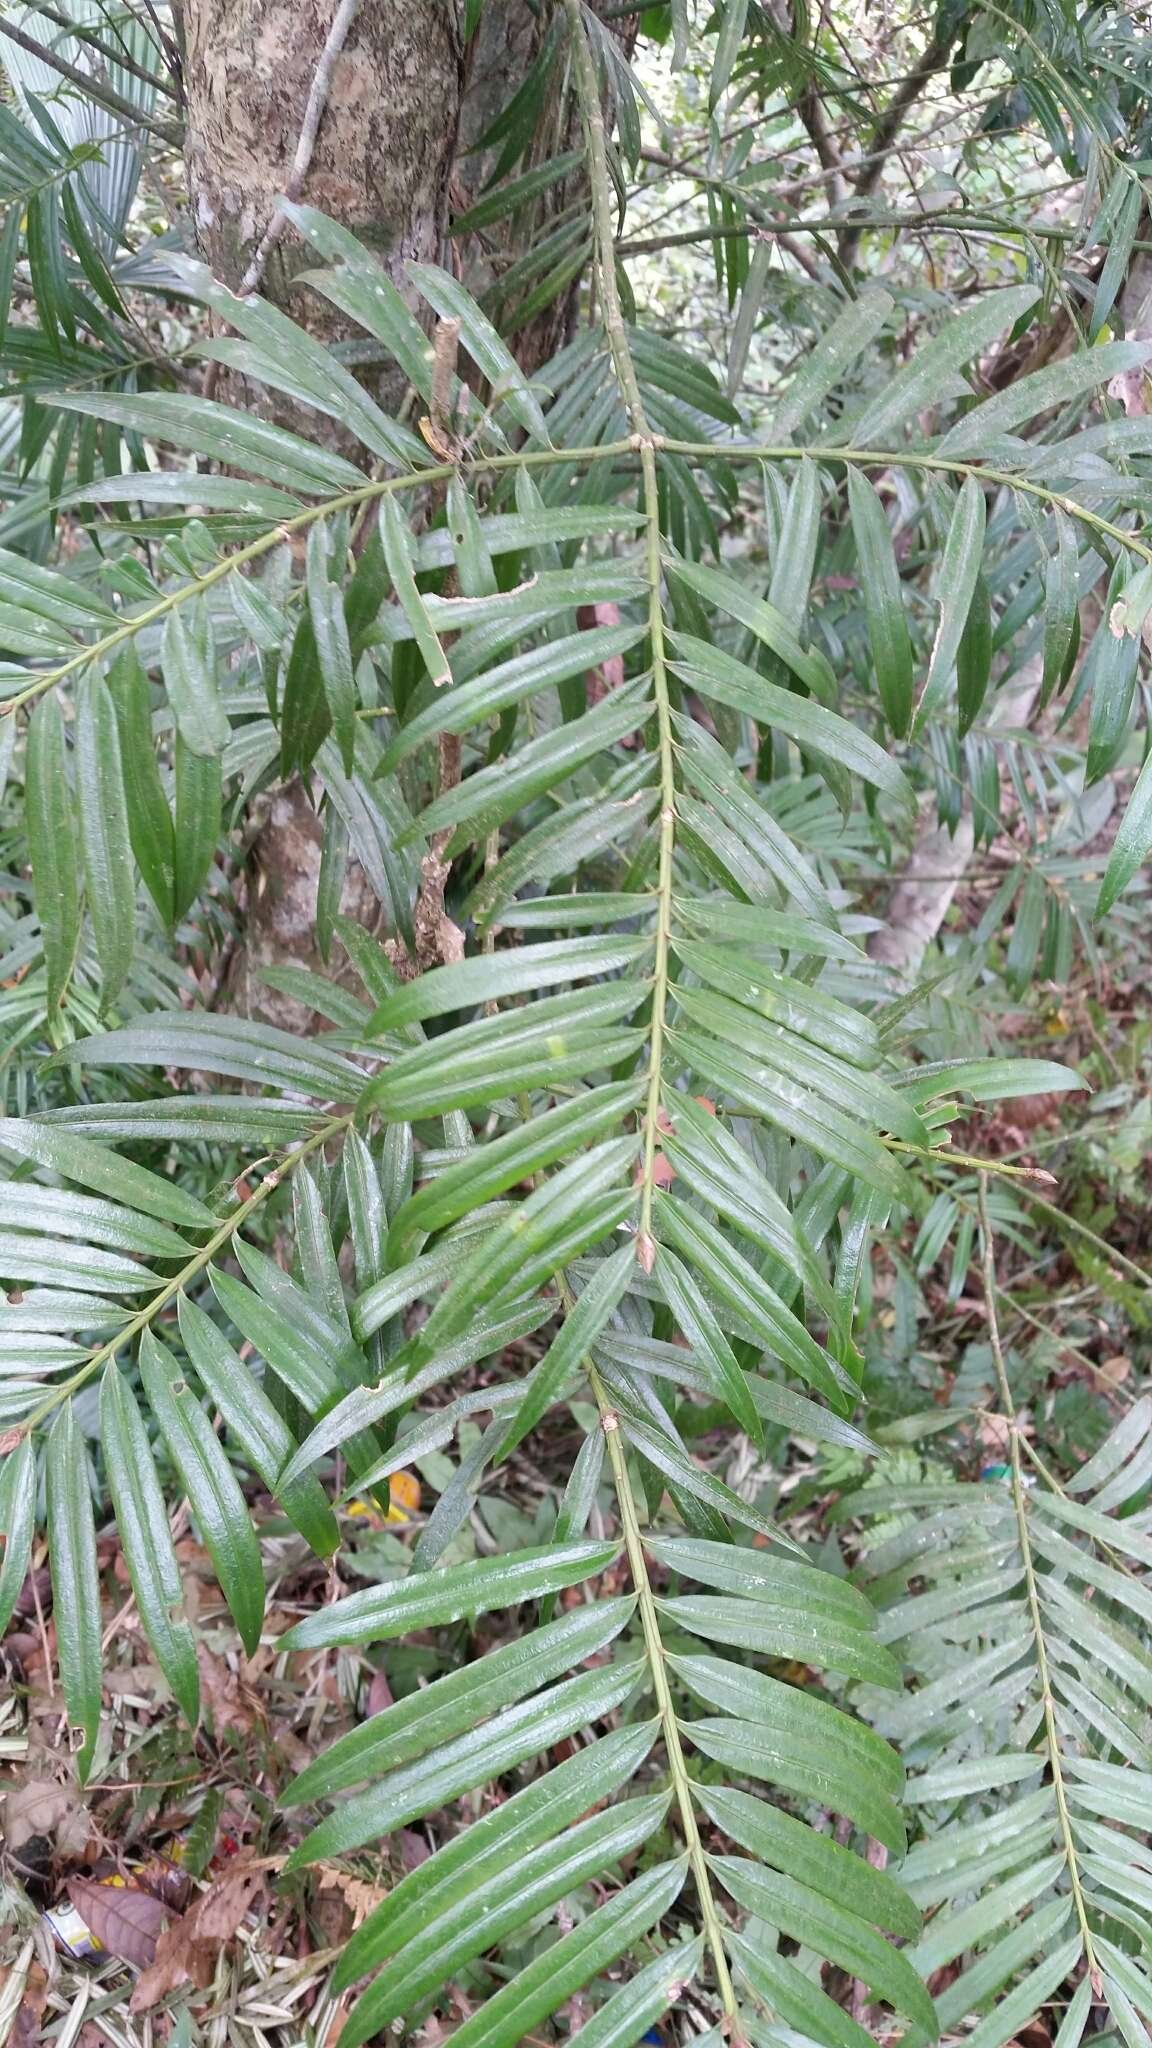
385 110
403 107
385 144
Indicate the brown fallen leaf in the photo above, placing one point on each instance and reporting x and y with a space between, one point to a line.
126 1921
359 1897
165 1880
187 1949
228 1702
43 1806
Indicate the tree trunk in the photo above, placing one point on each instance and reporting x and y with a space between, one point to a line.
384 146
394 147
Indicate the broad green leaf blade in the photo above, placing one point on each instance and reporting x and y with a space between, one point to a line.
574 1960
237 439
716 674
188 657
555 1039
109 875
788 1758
460 1700
46 594
496 1838
305 720
55 1262
142 1527
212 1488
715 1165
361 287
689 1482
185 487
362 1409
52 845
256 1426
333 650
75 1581
1119 250
59 1212
708 1343
571 1347
290 359
728 43
776 1632
631 2013
479 697
94 1166
919 383
430 1599
831 1026
228 1045
787 1844
974 657
781 1582
487 977
499 1905
810 1118
808 1917
992 1080
1061 608
484 800
198 822
785 1990
514 193
763 619
959 569
17 1524
852 331
150 827
525 1730
731 1276
1113 662
567 1214
398 557
1025 398
489 1170
883 603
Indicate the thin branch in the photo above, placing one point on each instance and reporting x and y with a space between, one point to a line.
887 129
810 109
939 221
313 115
610 451
346 501
669 1725
588 93
92 88
123 59
222 1236
1020 1503
645 442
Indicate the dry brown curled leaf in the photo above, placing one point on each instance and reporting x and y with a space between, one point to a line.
45 1806
228 1701
187 1949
